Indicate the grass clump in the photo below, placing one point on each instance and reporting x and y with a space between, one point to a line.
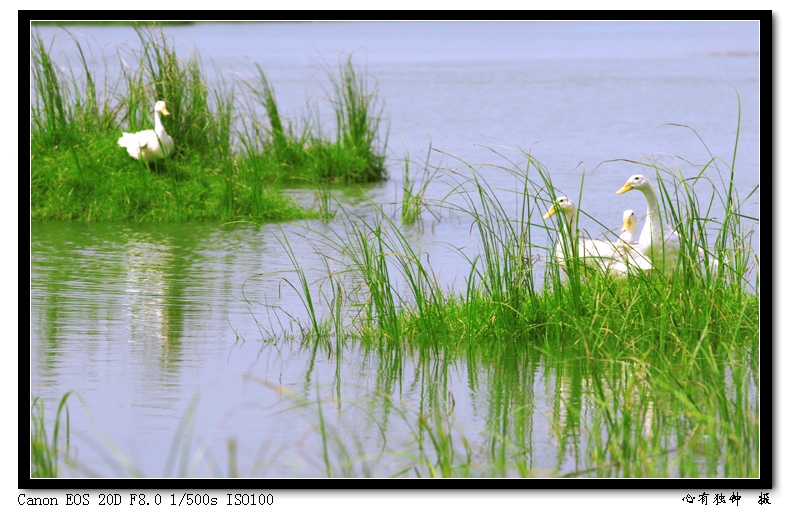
414 199
47 451
282 152
224 167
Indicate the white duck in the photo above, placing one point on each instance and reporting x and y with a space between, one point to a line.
628 238
152 144
595 254
659 244
631 260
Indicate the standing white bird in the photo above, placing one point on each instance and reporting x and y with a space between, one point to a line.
659 244
594 254
151 144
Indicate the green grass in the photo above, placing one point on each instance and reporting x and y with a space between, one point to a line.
278 151
414 201
47 449
228 164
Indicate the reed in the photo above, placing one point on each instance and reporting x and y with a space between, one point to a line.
285 151
47 452
358 115
414 201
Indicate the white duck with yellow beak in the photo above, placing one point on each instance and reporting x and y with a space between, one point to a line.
594 254
631 260
657 243
152 144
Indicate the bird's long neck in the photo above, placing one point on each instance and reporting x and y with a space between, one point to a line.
570 220
652 228
159 128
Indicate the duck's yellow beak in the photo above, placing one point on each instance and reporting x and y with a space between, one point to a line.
550 213
626 187
164 111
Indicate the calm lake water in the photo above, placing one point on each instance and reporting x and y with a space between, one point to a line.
167 328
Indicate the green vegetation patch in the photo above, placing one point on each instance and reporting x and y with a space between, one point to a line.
224 165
